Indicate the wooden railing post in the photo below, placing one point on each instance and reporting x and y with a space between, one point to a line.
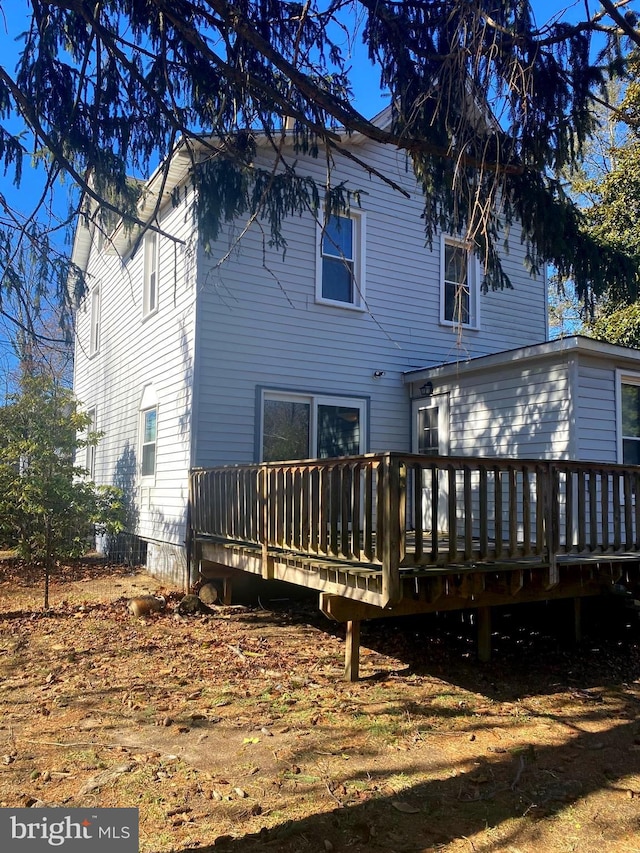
263 490
553 522
394 482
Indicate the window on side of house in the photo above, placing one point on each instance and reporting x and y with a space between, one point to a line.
149 429
299 426
630 422
94 336
151 253
459 284
90 461
340 262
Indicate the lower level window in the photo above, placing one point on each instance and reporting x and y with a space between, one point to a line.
296 426
428 438
149 435
630 397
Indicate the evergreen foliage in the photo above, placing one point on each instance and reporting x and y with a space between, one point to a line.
488 107
46 506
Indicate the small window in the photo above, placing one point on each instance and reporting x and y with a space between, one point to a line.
297 426
458 293
428 437
431 425
91 448
340 279
94 340
149 437
150 296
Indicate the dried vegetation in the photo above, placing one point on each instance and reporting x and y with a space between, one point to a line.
234 730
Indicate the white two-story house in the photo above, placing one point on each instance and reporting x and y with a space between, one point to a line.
359 338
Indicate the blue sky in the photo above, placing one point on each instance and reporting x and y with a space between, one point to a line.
368 98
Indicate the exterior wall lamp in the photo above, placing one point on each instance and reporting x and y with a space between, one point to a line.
426 390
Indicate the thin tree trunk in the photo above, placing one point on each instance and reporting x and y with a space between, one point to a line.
47 563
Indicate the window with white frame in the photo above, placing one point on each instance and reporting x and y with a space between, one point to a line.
301 426
149 429
151 252
94 336
340 263
91 448
459 284
630 420
431 425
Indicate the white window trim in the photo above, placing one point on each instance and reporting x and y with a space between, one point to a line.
148 477
148 401
95 320
314 400
358 218
148 253
473 279
622 378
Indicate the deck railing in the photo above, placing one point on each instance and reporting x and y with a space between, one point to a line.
398 512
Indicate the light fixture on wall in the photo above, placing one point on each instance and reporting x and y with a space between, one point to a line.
378 374
426 390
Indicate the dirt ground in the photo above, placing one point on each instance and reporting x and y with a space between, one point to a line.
234 730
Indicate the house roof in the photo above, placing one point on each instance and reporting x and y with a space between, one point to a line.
558 349
171 173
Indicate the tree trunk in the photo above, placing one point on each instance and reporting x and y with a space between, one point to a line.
48 559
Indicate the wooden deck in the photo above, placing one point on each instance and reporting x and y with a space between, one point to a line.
395 534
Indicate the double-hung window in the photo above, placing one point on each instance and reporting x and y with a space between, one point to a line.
149 438
94 335
301 426
459 284
340 263
150 294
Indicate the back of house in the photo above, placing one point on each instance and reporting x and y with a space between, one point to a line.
249 353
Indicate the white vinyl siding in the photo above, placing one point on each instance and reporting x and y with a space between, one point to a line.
260 323
128 362
595 424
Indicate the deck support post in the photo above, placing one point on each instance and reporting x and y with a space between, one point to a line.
226 591
577 620
352 651
484 634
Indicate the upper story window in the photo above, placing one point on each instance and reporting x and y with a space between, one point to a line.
94 337
149 438
151 255
459 284
340 263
